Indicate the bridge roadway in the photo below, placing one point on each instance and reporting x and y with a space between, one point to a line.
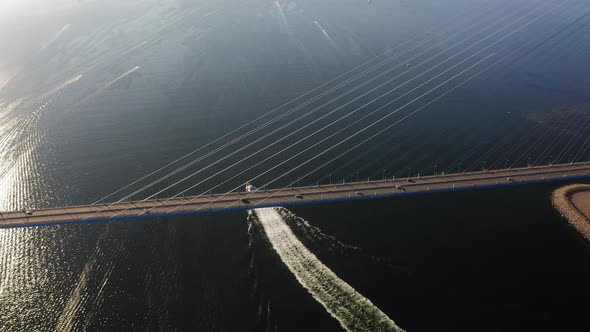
286 197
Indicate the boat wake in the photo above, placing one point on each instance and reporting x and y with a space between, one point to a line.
325 33
353 311
315 239
314 236
57 36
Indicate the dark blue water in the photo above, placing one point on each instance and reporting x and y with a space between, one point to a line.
490 260
96 95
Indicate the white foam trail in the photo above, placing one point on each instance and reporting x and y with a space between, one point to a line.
122 76
4 80
85 297
136 47
7 107
66 319
57 35
344 303
324 32
107 85
282 13
290 31
60 87
316 234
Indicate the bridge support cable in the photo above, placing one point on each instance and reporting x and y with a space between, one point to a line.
517 136
505 139
576 135
568 123
542 136
380 171
366 128
458 135
443 32
458 163
567 120
423 145
432 149
412 150
402 119
504 158
514 141
317 143
583 149
558 36
486 155
506 37
583 146
388 127
394 112
387 144
407 152
362 95
507 154
395 154
572 39
404 106
580 133
466 144
463 139
316 120
264 137
500 143
305 95
506 135
383 130
565 148
356 146
550 150
259 127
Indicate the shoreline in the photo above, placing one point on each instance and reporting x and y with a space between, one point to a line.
563 200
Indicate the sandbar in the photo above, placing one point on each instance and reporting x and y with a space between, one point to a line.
573 202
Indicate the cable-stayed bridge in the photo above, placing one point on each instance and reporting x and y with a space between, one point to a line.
355 122
192 205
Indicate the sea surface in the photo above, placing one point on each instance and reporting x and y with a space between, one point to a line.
109 100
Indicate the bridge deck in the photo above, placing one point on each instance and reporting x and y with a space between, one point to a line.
286 197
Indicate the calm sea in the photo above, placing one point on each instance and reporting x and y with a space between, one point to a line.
96 95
